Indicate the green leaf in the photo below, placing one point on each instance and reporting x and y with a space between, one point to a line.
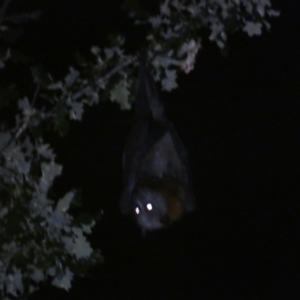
37 275
88 228
119 93
169 83
95 50
49 172
109 53
82 248
64 203
71 77
3 212
55 86
45 151
24 104
14 283
253 28
64 281
4 138
76 111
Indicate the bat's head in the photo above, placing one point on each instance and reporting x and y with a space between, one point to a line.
151 208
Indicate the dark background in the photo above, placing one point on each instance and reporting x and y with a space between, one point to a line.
239 118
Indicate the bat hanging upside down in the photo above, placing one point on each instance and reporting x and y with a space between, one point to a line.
157 186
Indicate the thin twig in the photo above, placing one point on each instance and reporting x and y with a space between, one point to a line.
104 78
24 125
116 69
36 92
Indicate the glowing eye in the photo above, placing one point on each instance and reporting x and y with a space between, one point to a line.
149 206
137 210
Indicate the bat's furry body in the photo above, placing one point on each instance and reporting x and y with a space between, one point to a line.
157 185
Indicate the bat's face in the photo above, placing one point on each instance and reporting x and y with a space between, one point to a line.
150 208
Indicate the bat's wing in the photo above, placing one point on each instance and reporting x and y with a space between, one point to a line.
152 143
154 148
143 136
182 154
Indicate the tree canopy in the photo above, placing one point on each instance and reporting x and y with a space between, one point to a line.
41 241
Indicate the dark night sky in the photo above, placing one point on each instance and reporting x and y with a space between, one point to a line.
239 118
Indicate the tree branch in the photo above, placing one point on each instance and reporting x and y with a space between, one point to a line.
24 124
115 70
106 77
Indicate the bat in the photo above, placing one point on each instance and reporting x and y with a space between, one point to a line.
157 187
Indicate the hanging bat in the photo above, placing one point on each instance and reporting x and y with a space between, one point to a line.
157 186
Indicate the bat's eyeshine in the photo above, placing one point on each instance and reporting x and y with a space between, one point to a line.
150 208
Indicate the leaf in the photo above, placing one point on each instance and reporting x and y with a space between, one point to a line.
17 161
109 53
119 93
3 212
26 107
64 203
273 13
24 104
37 275
51 271
220 43
59 220
169 83
88 228
49 172
14 282
252 28
4 138
7 175
82 247
155 21
69 244
165 9
95 50
76 111
55 86
71 77
93 97
45 151
64 281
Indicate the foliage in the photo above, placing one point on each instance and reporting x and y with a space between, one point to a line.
39 239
